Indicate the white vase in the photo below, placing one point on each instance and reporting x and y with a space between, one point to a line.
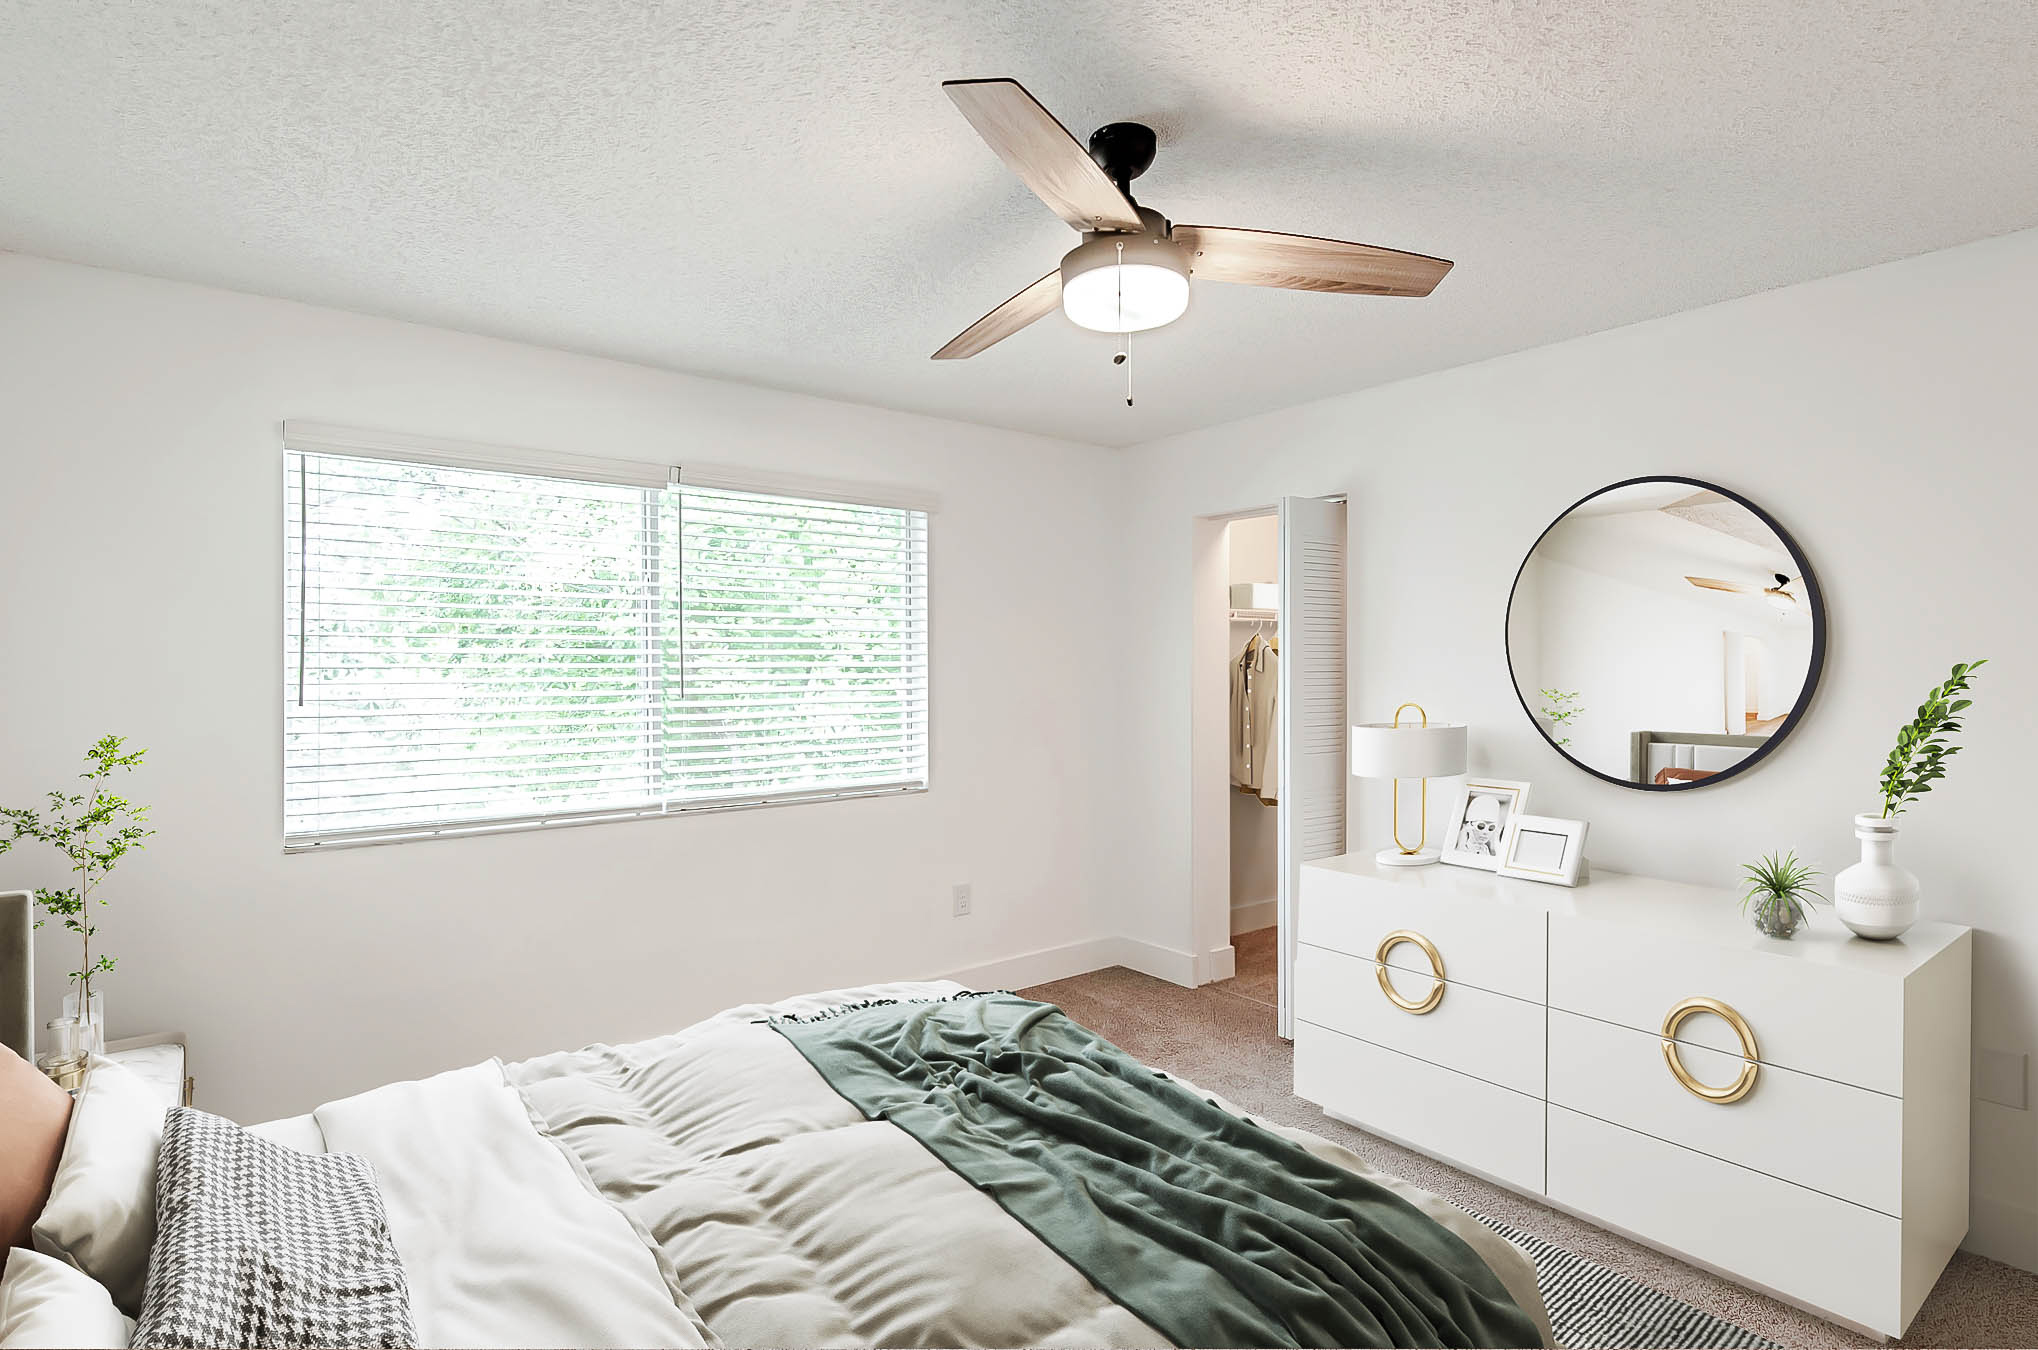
1875 897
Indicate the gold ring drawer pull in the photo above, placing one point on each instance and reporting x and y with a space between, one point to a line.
1750 1054
1436 968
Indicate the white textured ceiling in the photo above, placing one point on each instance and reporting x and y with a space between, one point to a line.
780 193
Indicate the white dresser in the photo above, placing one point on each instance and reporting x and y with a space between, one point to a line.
1803 1129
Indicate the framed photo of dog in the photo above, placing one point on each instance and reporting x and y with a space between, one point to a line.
1480 819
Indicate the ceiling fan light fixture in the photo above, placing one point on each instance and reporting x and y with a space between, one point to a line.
1148 284
1124 283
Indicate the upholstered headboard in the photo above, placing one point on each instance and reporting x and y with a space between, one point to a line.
17 974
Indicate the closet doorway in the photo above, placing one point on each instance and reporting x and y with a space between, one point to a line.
1268 739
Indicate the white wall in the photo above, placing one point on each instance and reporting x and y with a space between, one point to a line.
1886 418
1254 551
140 566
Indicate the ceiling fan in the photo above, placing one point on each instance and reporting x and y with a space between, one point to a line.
1132 269
1780 595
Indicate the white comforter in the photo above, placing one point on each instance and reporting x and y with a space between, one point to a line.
502 1239
507 1241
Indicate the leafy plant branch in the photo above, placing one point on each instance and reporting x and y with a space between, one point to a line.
93 829
1561 707
1924 745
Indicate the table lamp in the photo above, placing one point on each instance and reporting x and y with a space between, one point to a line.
1397 751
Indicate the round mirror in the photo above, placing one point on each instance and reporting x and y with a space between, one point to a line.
1665 634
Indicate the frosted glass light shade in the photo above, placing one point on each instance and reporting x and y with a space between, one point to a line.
1124 283
1125 299
1382 750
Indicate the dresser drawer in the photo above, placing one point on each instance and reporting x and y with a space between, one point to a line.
1845 1141
1486 1035
1480 1126
1482 941
1843 1022
1812 1248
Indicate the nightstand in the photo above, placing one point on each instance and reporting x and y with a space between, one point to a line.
158 1060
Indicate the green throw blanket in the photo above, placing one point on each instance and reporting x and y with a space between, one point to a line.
1214 1230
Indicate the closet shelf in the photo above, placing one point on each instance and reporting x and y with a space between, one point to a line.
1255 615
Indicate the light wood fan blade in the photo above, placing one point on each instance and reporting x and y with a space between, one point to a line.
1301 262
1043 154
1714 584
1037 301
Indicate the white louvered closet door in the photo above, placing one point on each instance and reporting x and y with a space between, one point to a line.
1312 702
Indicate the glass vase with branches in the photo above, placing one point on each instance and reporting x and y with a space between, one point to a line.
93 829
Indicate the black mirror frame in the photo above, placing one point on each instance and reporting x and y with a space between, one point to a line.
1814 596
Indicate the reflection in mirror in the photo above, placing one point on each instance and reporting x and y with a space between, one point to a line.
1664 633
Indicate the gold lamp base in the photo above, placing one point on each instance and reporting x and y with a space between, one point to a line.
1401 855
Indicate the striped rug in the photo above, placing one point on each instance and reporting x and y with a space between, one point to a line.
1593 1308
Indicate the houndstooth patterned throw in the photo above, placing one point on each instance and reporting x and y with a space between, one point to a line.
260 1245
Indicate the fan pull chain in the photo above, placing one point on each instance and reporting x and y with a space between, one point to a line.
1118 276
1124 356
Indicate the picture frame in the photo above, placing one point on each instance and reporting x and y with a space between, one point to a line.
1544 848
1481 818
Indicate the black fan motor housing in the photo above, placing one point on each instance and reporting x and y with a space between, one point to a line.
1124 150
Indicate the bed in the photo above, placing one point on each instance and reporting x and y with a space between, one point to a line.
775 1175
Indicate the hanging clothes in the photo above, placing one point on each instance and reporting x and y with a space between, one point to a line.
1255 689
1266 690
1241 716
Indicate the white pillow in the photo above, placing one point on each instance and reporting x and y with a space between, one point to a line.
101 1215
44 1302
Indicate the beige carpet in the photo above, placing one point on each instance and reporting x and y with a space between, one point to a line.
1221 1037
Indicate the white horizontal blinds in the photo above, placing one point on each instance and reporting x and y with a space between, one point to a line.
472 646
805 647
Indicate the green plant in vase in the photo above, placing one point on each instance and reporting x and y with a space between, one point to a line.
93 829
1876 897
1922 744
1561 708
1780 890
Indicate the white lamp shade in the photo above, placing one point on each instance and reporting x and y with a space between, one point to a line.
1382 750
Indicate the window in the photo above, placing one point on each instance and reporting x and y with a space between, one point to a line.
470 647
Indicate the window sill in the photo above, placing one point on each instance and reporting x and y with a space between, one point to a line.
323 843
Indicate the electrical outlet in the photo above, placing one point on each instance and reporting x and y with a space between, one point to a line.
1999 1078
962 901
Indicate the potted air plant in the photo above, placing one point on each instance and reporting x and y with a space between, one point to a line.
1780 891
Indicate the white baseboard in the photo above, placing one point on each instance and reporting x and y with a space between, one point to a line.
1254 915
1041 967
1220 963
1079 958
1150 958
1177 967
